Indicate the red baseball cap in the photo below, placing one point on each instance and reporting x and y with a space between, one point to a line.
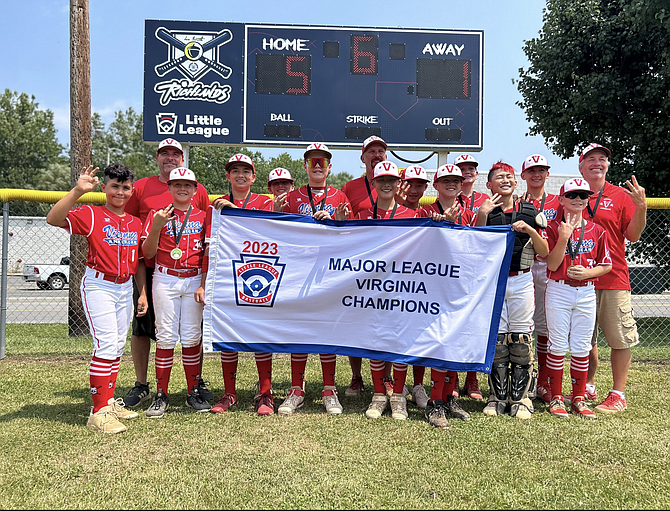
593 147
374 139
169 142
240 158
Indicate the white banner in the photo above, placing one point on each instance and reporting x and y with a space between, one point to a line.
407 290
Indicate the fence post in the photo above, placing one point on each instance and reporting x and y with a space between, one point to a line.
3 283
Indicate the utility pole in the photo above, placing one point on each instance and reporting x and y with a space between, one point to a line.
81 148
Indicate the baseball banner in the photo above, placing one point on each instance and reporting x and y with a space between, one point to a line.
406 290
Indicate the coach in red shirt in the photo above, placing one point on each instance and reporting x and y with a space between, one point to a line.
623 214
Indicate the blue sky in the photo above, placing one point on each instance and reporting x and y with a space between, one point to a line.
37 59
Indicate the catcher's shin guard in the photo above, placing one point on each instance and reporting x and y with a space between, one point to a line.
522 374
499 377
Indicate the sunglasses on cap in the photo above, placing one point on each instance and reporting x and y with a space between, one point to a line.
321 162
574 195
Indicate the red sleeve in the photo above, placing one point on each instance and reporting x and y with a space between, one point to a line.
208 223
147 225
80 221
603 257
201 198
133 204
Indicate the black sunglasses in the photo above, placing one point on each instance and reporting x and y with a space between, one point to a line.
574 195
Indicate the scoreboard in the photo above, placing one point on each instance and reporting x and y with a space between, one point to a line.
289 85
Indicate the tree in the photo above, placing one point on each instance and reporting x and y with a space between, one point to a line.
28 141
600 72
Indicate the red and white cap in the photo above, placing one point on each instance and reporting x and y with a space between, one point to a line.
317 146
279 173
447 170
577 184
240 158
374 139
466 158
534 160
182 174
415 172
386 168
169 142
593 147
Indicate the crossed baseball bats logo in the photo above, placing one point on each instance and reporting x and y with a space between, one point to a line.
193 51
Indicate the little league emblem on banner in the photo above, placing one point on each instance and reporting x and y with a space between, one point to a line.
257 279
412 291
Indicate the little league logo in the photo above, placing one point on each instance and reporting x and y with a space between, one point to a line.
166 123
257 279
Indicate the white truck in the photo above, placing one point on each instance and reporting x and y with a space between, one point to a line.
48 276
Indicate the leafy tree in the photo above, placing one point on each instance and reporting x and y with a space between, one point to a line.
340 179
600 72
28 141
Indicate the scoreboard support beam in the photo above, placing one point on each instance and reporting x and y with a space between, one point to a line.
442 158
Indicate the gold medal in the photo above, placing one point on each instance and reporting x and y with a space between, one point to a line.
176 253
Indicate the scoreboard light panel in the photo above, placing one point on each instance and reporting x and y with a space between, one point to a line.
288 85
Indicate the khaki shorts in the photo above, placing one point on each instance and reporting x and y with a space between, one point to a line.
614 315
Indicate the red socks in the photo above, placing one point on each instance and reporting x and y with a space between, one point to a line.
555 374
579 367
437 377
541 349
163 362
100 373
328 362
191 359
450 382
264 366
298 365
418 373
229 368
113 377
399 377
377 369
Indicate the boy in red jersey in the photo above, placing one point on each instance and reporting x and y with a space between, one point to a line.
280 183
241 174
106 290
448 182
535 171
386 182
175 236
151 193
579 255
468 165
322 202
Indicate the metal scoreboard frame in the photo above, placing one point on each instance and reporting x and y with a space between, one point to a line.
289 85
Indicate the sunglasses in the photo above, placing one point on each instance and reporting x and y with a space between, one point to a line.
574 195
321 162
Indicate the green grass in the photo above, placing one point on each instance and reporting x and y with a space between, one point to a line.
48 459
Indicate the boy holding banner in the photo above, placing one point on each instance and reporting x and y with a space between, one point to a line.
241 174
322 202
511 377
448 181
386 182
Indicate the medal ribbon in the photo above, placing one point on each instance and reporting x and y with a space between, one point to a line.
374 211
472 201
460 213
177 237
232 199
573 253
311 199
595 206
367 185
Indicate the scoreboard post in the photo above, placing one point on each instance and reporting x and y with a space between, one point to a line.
290 85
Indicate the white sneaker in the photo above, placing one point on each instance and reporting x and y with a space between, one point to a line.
294 400
330 401
120 409
377 406
419 396
105 421
398 407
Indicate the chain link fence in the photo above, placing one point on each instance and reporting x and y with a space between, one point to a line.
42 289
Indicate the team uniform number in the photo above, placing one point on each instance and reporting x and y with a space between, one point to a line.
259 247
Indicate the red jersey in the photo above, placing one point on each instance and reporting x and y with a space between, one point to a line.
298 201
151 193
614 213
385 214
479 200
191 243
113 240
256 201
465 217
550 210
593 251
360 193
